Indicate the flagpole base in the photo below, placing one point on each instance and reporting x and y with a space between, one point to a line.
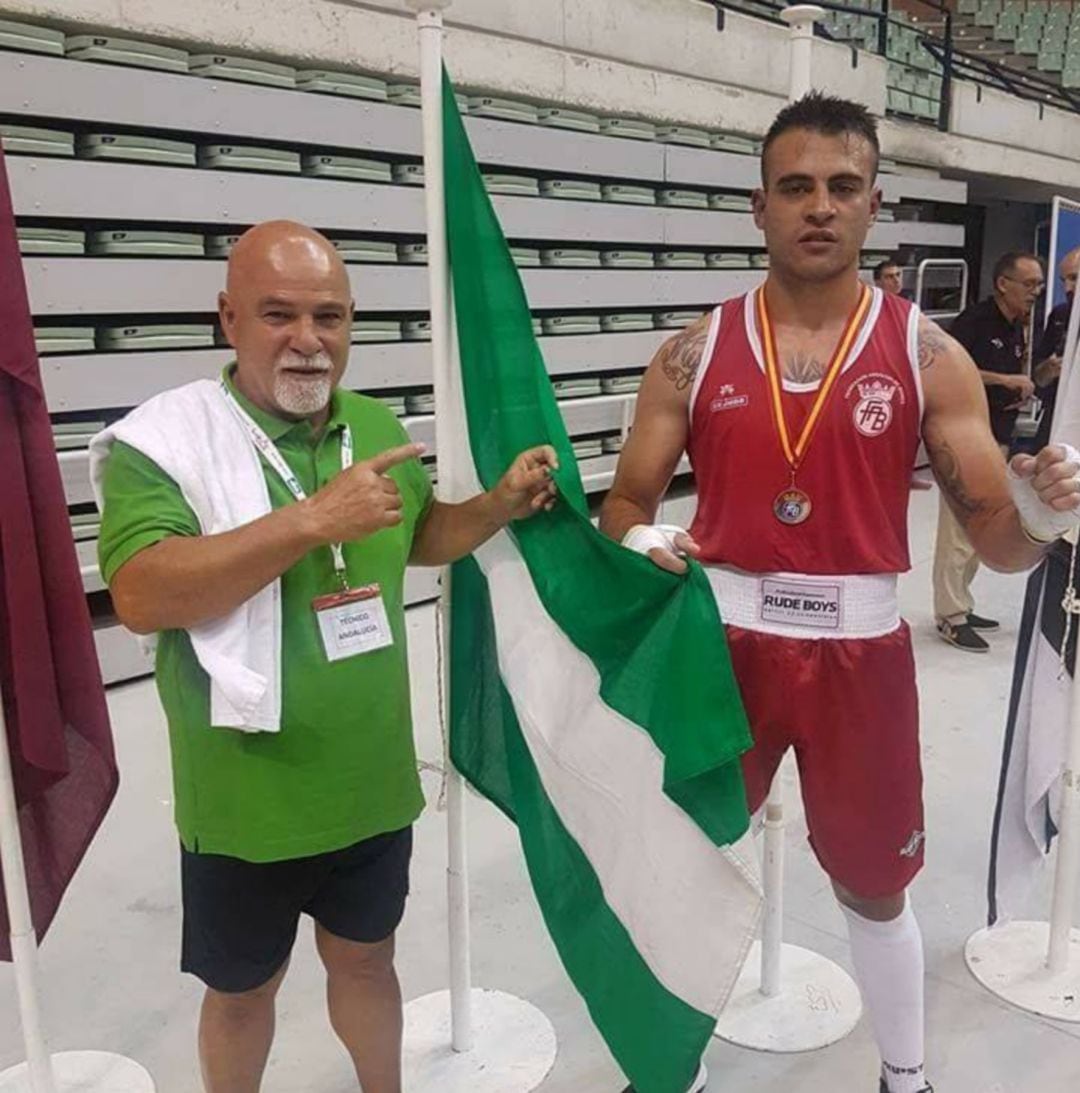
817 1005
514 1046
1010 961
85 1072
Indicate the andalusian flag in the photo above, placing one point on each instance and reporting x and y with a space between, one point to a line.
1030 786
592 698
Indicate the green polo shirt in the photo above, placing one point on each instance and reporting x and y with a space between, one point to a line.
343 766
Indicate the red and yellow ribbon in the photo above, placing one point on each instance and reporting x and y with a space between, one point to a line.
795 454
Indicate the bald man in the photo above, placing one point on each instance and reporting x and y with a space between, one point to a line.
260 525
1051 346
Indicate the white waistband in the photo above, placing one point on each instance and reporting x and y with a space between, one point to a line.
794 605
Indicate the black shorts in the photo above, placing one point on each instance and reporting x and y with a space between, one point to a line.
240 917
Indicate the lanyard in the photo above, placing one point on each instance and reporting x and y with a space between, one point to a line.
269 451
795 454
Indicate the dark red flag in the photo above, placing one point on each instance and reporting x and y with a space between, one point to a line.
57 720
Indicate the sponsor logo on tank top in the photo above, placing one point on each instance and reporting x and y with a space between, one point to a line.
727 398
914 844
872 397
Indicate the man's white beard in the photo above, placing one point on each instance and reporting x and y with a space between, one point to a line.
303 396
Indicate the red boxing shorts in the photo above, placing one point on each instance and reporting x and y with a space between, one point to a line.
849 708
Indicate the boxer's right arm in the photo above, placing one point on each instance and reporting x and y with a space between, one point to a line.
656 442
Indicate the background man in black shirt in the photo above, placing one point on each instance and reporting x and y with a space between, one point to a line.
993 332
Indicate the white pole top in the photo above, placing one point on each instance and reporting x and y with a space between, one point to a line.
798 14
428 5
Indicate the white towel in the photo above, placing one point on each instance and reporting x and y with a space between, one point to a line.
193 435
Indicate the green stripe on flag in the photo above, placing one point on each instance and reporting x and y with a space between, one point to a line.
655 639
656 1037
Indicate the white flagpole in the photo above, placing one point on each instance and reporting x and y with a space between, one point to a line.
1063 948
497 1043
23 940
430 25
1036 965
774 1006
1063 945
772 927
68 1071
801 19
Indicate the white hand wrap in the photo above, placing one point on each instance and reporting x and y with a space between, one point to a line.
1039 520
646 537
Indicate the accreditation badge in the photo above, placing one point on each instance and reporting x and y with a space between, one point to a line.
353 622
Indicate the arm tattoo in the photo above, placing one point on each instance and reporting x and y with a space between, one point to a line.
947 471
680 358
933 343
803 367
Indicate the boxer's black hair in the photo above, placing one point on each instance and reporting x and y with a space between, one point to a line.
826 114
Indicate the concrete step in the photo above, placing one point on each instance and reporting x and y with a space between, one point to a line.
968 34
992 51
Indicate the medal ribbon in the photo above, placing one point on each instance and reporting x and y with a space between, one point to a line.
797 453
269 451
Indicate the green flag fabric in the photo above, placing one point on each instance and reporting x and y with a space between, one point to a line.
592 697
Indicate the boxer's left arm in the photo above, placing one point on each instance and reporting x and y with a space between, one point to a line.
971 471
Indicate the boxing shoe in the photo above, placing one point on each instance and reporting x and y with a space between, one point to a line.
884 1088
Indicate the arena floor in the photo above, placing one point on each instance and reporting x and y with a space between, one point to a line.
110 962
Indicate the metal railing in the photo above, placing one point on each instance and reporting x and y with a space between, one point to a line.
955 61
1024 83
938 48
924 278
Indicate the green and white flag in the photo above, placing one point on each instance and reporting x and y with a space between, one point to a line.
592 697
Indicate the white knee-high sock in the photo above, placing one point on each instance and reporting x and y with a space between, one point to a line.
888 958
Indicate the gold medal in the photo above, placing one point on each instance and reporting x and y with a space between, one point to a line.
793 505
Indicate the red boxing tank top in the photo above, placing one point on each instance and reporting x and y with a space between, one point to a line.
857 471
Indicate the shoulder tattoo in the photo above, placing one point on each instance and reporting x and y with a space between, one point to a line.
680 357
933 343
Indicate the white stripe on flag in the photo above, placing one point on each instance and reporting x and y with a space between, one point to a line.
690 908
1036 762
